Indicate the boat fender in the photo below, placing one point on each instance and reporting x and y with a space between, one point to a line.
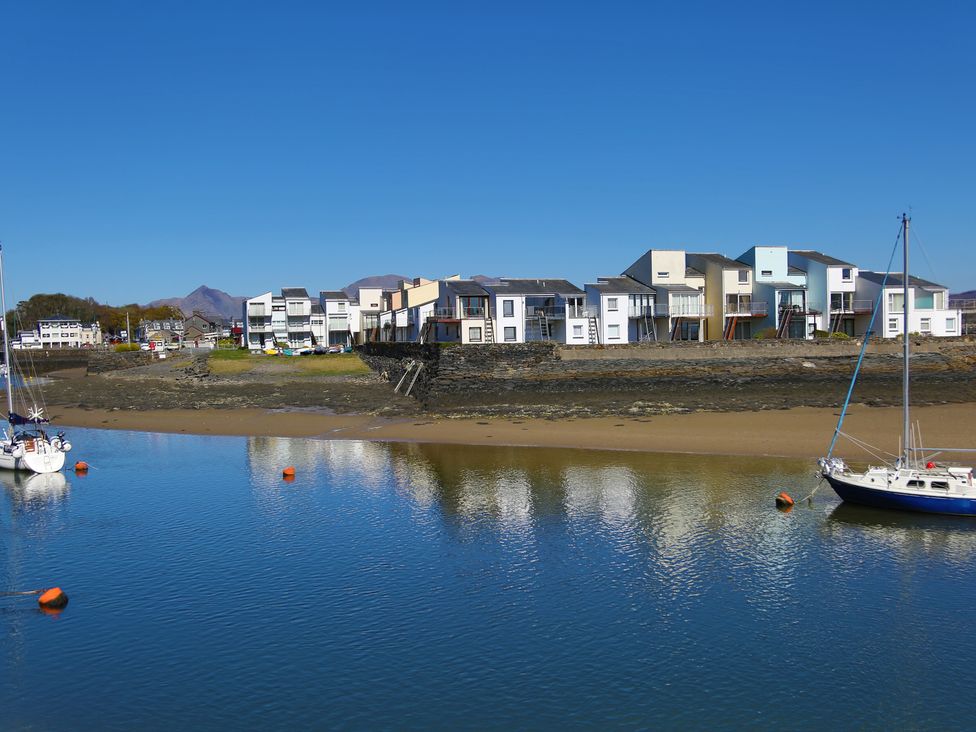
784 500
18 451
53 599
81 466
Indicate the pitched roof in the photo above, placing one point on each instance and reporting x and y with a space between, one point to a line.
465 288
814 256
677 288
294 292
317 309
59 319
895 280
534 287
721 260
333 295
791 270
692 272
622 285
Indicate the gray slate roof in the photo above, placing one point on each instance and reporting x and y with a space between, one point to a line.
795 270
692 272
677 288
333 295
621 285
822 258
721 260
317 309
294 292
534 287
465 288
895 280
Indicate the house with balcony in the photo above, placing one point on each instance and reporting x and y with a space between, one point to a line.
784 287
732 310
461 314
527 310
930 313
368 305
258 333
341 316
271 321
317 323
680 309
298 313
831 290
623 310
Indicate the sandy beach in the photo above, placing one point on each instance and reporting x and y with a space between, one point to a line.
802 432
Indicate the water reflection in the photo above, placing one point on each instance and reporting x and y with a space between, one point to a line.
35 489
910 534
267 456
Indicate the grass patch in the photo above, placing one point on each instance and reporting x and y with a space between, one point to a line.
332 364
228 363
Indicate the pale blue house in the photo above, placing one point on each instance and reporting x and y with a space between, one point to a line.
784 287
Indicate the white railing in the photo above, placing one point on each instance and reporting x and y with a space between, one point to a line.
640 311
690 310
747 308
966 305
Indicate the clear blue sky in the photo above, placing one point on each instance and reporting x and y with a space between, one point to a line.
150 147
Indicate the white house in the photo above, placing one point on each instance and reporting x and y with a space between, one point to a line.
831 289
679 308
258 333
624 310
461 314
298 309
928 304
63 332
341 325
278 322
369 304
539 310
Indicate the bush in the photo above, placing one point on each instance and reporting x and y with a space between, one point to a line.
821 334
124 347
765 334
840 336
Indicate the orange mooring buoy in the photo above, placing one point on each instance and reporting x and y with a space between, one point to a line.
288 472
784 500
81 466
53 599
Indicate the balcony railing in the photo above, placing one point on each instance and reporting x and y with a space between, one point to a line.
747 309
690 310
854 306
640 311
552 313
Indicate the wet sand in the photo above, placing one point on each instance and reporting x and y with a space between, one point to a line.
802 432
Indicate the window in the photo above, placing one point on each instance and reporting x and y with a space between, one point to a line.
896 302
926 325
767 273
342 307
612 304
892 323
508 310
663 275
846 274
743 277
938 300
950 325
509 332
474 335
577 331
613 332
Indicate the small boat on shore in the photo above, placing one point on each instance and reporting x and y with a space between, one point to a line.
914 481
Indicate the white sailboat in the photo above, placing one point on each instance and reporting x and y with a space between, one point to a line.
914 482
28 448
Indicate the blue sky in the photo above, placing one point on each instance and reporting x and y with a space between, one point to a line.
147 148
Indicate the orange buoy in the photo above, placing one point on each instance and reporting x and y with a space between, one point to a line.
288 478
53 599
288 472
784 500
81 466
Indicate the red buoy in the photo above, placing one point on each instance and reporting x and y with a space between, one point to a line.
53 599
784 500
81 466
929 465
289 471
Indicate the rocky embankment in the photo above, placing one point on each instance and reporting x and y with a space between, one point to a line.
545 380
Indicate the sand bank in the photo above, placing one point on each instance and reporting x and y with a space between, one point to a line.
801 432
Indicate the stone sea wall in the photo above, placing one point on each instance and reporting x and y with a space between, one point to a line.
716 372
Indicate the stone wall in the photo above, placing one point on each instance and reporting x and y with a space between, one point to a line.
45 360
103 360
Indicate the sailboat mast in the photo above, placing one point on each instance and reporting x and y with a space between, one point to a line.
906 428
6 343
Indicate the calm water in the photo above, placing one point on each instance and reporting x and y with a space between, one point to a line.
430 587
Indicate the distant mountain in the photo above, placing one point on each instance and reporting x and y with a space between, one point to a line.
206 300
387 282
485 280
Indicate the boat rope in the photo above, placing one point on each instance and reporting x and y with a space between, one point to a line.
864 347
870 449
19 594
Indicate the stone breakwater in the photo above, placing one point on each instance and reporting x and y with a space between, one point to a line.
547 379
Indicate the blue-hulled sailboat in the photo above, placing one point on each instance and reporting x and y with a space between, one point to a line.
914 482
